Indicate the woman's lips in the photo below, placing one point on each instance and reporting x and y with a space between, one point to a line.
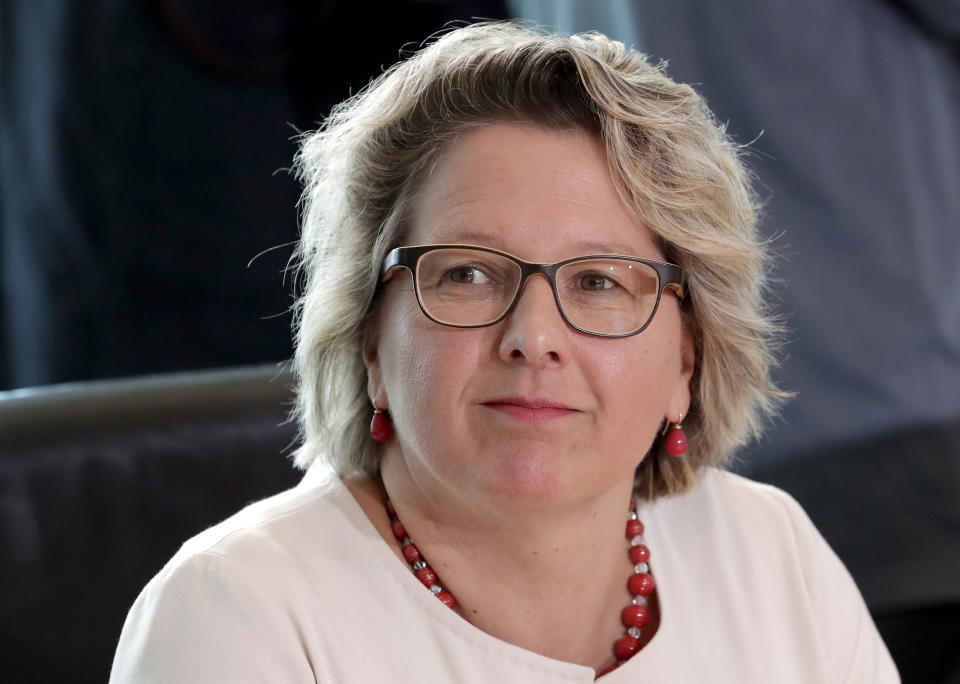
530 409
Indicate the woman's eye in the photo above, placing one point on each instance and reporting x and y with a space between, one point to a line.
596 281
467 275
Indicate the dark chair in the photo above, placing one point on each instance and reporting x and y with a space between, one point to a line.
101 482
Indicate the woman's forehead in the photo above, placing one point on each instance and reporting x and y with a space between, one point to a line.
511 185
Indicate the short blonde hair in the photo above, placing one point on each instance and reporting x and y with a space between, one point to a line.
672 163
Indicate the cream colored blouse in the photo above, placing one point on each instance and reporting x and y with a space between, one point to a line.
300 588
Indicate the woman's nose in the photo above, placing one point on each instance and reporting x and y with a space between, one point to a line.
535 332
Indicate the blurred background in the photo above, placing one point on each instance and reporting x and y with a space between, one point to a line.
145 148
147 215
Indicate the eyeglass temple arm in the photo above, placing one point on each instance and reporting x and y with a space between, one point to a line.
675 280
393 261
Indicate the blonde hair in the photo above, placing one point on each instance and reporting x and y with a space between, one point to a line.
671 161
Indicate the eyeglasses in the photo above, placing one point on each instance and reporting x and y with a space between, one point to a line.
471 287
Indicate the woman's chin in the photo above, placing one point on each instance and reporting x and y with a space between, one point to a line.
530 476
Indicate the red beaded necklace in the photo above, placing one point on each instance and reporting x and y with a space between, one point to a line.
634 616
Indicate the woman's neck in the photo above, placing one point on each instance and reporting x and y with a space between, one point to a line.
550 582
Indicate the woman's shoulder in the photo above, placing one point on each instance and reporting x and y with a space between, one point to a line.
315 495
722 499
235 592
750 531
275 532
757 523
768 567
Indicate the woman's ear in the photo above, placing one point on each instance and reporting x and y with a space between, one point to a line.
688 352
371 360
680 401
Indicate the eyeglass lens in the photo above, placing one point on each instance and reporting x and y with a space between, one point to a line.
470 287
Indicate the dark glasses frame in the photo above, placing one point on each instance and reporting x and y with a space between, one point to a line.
669 275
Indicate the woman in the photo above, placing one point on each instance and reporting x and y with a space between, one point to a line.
533 260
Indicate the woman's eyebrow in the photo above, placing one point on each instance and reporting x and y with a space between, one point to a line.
598 247
578 248
468 237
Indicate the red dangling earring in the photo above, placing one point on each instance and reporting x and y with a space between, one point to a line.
676 441
380 425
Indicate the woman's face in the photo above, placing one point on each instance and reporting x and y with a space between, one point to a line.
527 411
